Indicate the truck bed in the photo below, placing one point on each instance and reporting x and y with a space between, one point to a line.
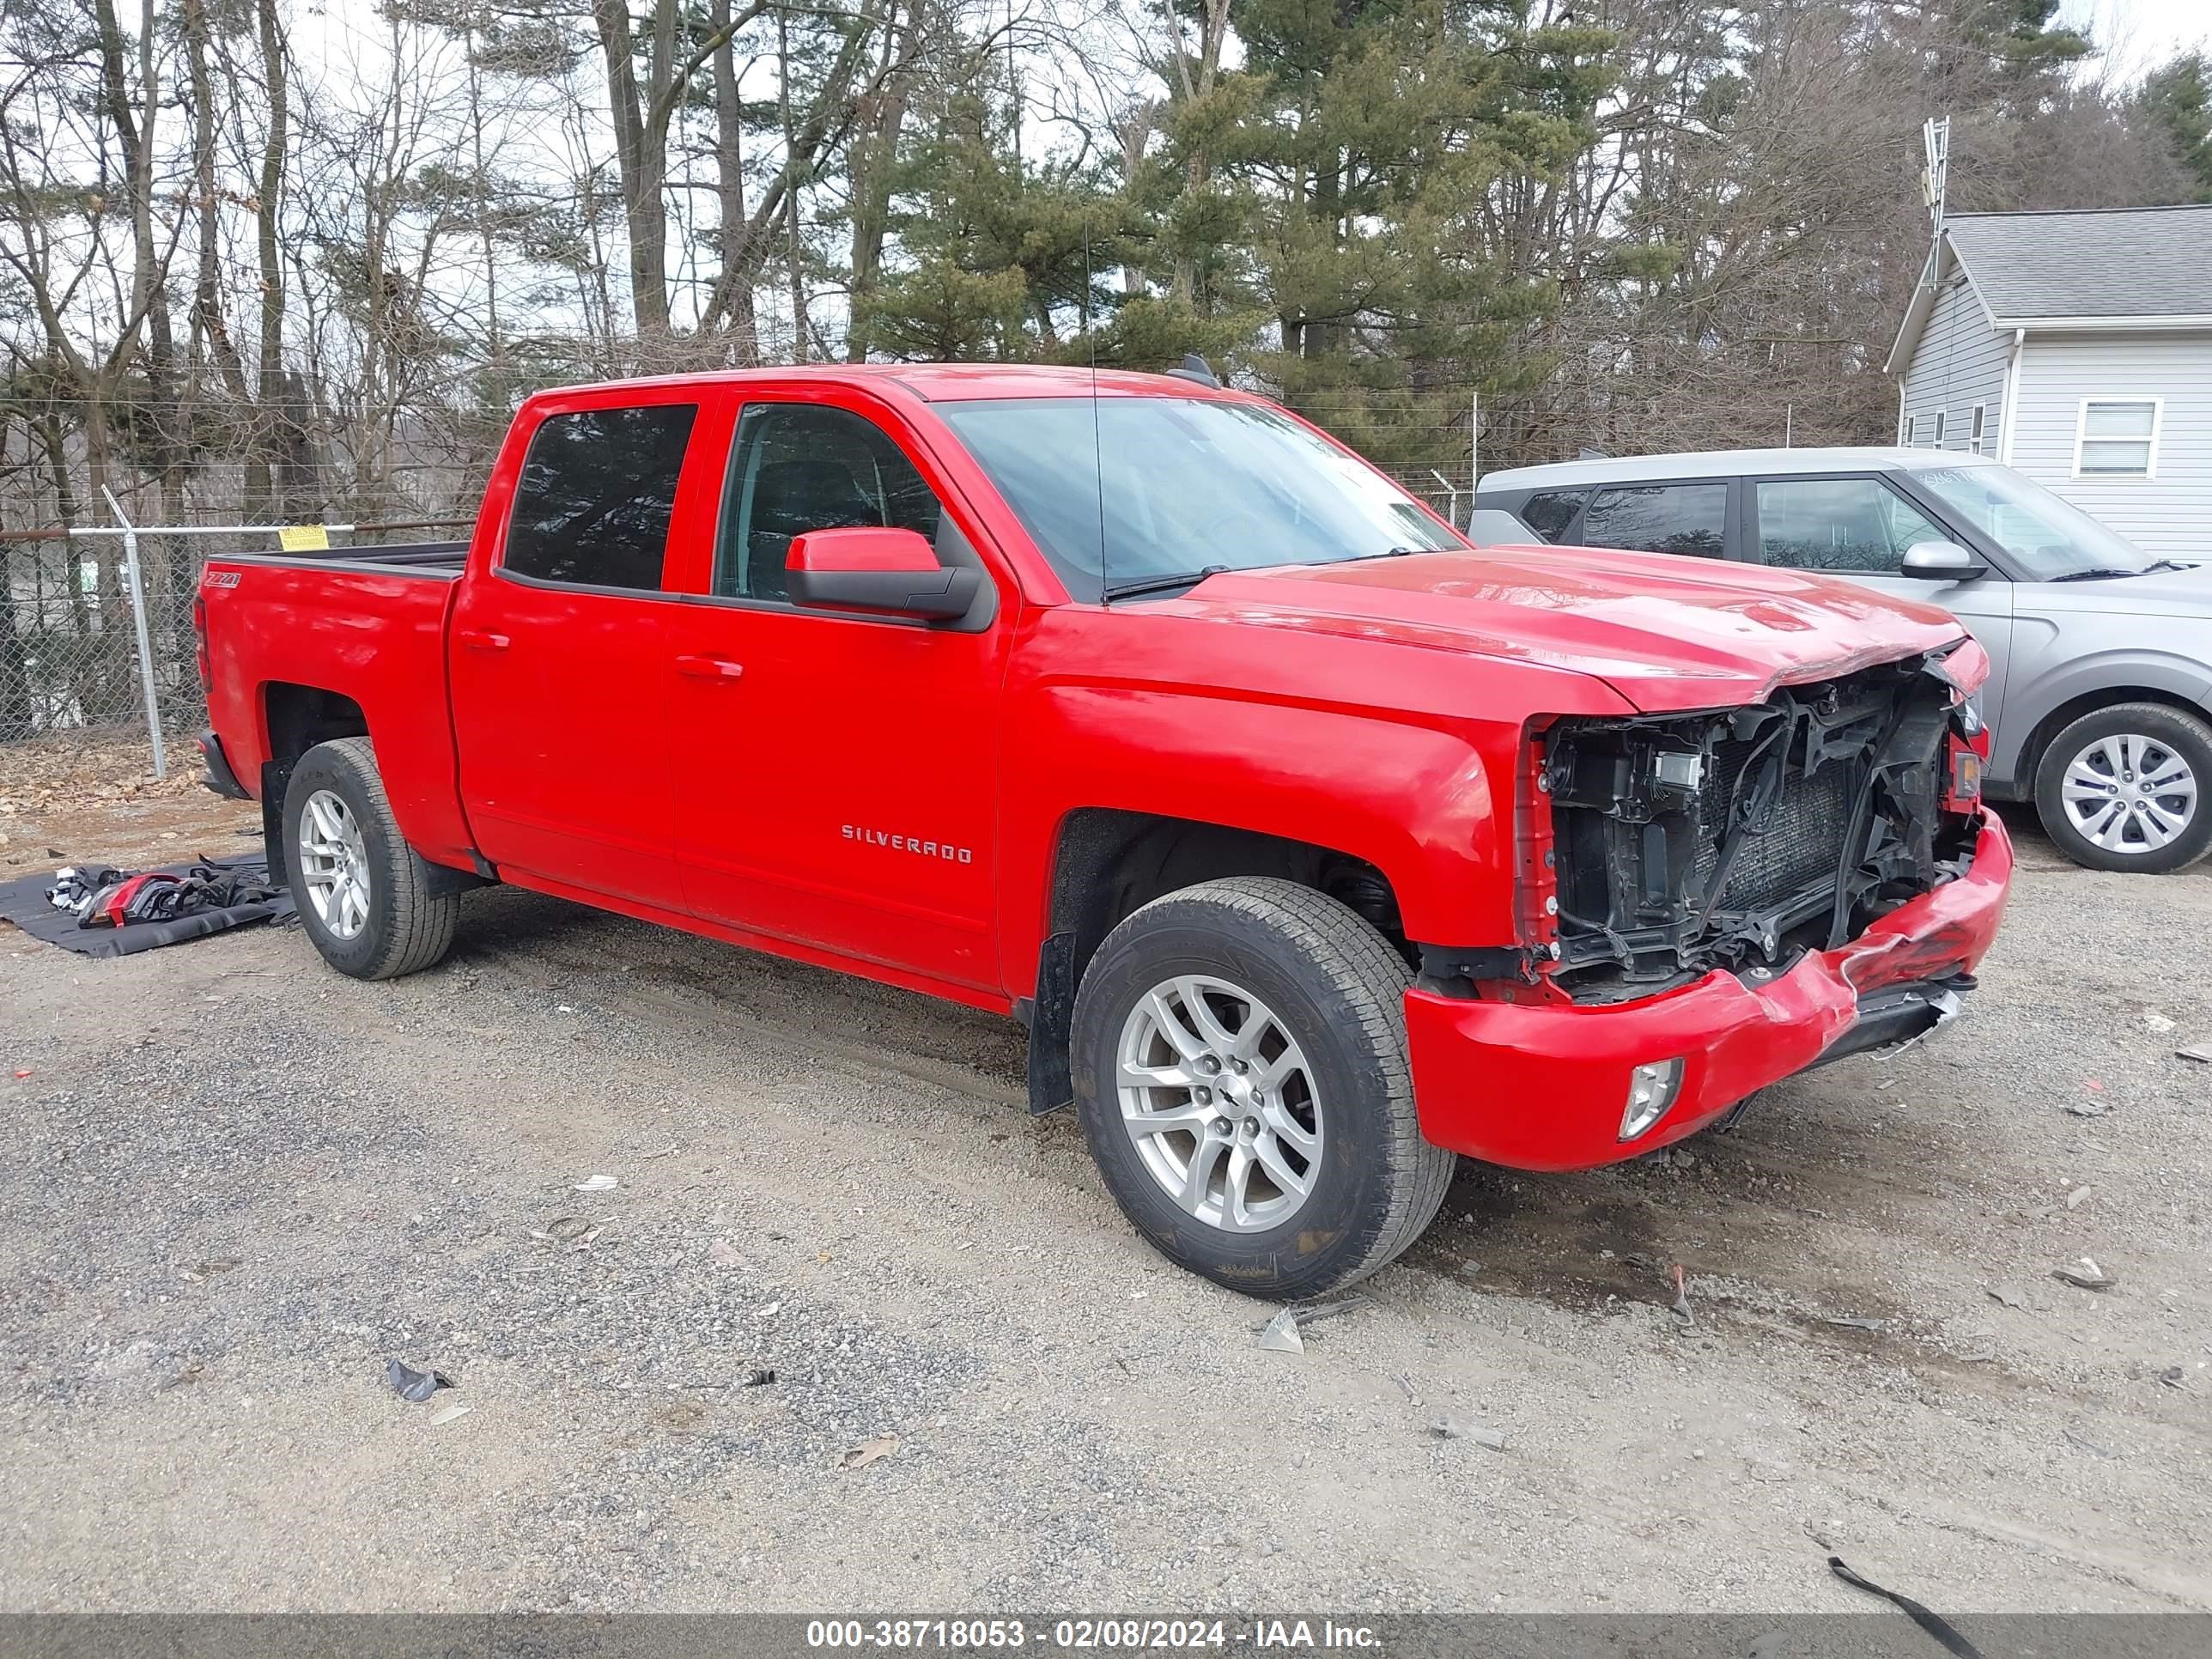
294 637
415 558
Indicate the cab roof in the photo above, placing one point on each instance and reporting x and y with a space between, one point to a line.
940 383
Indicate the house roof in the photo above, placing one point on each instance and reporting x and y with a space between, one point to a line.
2121 262
2099 267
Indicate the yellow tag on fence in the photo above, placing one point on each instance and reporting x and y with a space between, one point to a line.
304 539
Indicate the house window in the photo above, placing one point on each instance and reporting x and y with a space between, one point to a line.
2117 438
1975 437
1910 421
1942 416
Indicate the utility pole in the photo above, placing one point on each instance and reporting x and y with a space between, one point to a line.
1473 441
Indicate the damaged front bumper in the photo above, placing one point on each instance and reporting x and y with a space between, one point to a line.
1542 1085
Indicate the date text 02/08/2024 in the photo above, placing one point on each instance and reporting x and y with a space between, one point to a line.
1082 1635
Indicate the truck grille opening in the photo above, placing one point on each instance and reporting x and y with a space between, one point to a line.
1739 837
1801 843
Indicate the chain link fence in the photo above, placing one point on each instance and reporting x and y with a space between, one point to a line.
67 658
88 654
1427 443
1449 489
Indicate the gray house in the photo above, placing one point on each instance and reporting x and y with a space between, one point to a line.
2077 347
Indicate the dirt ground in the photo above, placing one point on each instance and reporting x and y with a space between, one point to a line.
235 1184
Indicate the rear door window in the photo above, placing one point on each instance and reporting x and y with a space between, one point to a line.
1684 518
1839 524
596 496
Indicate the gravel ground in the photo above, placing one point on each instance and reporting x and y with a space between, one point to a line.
235 1184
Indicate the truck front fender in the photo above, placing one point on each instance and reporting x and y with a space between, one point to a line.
1430 808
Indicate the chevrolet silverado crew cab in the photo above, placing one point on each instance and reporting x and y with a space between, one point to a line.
1312 846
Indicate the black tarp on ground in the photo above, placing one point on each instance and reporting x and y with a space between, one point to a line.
23 901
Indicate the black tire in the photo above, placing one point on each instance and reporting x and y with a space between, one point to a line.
410 924
2183 733
1337 988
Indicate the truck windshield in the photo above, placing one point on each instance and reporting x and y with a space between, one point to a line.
1187 484
2052 539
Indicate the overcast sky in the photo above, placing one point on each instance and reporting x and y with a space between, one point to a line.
2133 35
2137 33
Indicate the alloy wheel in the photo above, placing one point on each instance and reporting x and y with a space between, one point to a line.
1220 1101
334 864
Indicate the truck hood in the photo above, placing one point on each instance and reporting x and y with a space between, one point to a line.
1666 633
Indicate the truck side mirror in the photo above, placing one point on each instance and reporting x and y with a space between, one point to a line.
876 571
1942 561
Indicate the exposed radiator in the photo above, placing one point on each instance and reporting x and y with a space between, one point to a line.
1801 843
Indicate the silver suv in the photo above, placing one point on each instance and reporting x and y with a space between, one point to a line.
2101 656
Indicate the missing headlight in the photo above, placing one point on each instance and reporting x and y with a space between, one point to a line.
1687 842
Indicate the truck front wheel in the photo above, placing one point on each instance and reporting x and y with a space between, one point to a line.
1239 1067
366 897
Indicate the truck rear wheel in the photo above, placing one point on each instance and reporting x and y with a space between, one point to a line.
366 897
1239 1052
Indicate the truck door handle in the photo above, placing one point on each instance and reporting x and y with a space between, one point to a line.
719 669
476 639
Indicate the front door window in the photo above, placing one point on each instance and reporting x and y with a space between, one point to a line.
801 467
1858 525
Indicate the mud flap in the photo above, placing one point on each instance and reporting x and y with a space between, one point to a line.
276 779
1052 1081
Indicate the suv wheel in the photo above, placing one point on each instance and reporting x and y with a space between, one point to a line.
1239 1067
364 894
2123 788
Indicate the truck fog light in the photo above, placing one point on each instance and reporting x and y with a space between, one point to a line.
1651 1091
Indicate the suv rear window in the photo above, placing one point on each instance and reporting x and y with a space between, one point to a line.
1684 518
1550 512
596 496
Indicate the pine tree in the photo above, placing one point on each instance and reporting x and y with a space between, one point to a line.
998 256
1375 136
2178 101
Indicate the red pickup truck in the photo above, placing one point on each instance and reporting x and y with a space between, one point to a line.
1312 846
